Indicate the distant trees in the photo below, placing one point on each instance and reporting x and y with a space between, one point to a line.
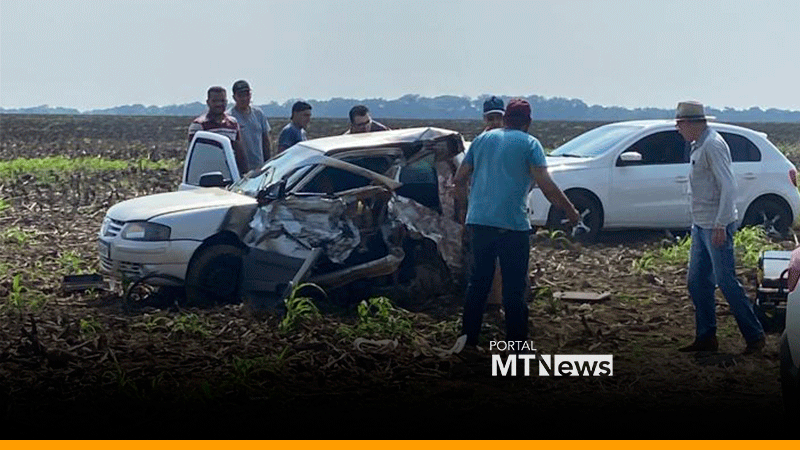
413 106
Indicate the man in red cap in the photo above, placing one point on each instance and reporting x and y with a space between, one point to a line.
503 164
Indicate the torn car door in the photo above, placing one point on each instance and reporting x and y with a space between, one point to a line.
337 208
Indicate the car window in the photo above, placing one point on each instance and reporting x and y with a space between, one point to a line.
377 164
664 147
332 180
296 176
207 156
421 183
742 149
248 186
595 142
276 169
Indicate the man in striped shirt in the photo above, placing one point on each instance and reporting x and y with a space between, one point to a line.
216 120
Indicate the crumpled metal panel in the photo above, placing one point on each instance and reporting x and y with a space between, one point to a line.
379 267
296 225
445 232
442 229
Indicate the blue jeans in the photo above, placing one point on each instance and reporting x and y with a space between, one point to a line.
711 266
512 248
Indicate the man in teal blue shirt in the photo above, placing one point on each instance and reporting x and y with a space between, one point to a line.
503 164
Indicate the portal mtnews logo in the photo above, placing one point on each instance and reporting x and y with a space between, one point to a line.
515 364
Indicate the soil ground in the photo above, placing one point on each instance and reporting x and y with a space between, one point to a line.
91 365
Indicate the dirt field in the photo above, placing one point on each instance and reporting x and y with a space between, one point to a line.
89 365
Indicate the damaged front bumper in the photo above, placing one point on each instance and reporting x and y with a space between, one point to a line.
123 261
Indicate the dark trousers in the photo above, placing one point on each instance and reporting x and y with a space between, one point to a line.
512 248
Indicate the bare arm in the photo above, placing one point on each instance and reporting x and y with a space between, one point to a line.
238 153
554 194
193 128
265 147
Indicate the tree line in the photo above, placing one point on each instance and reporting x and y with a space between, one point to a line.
441 107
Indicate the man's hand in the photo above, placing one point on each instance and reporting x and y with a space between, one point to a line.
718 237
554 195
573 215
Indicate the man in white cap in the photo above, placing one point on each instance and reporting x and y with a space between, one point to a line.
711 264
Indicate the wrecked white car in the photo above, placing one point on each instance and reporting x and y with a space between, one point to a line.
366 212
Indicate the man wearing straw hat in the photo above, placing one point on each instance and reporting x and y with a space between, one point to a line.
711 262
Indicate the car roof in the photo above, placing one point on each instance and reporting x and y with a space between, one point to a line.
671 122
391 138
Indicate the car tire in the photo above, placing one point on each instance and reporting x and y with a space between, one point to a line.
583 202
790 384
214 275
771 214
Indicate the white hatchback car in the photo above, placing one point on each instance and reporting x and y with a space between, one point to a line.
636 175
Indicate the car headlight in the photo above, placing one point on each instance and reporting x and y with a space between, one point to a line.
145 231
104 226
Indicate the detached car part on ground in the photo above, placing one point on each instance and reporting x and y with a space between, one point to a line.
636 175
363 214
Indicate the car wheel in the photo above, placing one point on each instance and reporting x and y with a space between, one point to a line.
587 207
771 214
790 384
213 275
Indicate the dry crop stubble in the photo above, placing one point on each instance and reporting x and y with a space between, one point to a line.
83 355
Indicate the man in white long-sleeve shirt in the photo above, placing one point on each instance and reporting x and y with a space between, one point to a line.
714 216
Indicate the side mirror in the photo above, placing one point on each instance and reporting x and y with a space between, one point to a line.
213 179
629 158
272 192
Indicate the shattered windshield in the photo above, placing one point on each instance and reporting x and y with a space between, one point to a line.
595 142
275 169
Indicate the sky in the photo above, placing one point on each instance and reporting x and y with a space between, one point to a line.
90 54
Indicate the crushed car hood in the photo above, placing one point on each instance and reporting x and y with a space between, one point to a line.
145 208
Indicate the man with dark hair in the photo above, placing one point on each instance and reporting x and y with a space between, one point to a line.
295 130
502 164
493 112
711 258
253 125
361 122
216 120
